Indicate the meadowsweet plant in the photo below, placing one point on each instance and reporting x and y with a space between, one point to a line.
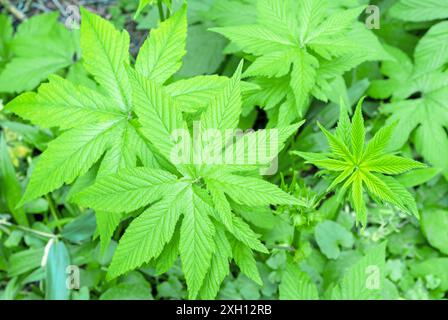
224 149
132 123
357 165
304 46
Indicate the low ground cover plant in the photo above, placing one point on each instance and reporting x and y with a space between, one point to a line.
232 149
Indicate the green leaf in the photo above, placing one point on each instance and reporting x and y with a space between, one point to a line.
68 157
330 235
128 291
157 113
417 177
219 267
224 110
431 52
204 51
391 164
196 245
55 269
127 190
105 51
146 236
434 224
433 266
10 185
358 133
297 285
161 54
303 78
62 104
358 200
244 234
256 39
415 10
25 261
196 93
244 258
276 64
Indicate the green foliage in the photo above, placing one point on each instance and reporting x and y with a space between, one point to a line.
41 46
114 141
297 42
358 164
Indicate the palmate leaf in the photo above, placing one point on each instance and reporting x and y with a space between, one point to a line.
96 122
359 167
100 125
304 34
224 111
117 141
246 262
426 116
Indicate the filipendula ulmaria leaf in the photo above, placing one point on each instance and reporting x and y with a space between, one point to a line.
304 34
161 54
65 105
127 190
415 10
146 236
252 191
245 260
224 111
196 245
357 165
219 267
169 254
157 112
105 50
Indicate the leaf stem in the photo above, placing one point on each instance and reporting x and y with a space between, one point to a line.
287 248
26 229
161 14
53 211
